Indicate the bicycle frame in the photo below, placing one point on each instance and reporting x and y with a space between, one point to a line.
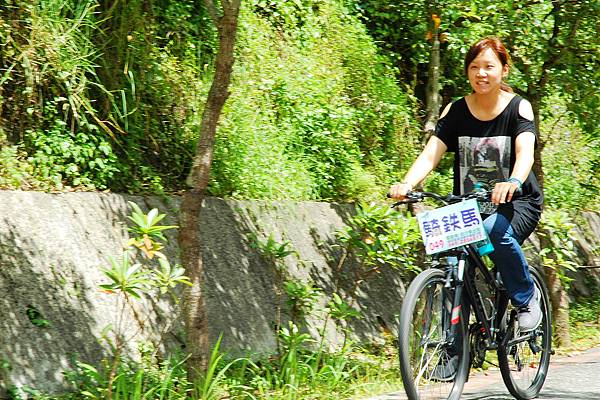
489 325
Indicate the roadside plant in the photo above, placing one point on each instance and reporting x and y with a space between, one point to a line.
301 297
556 231
379 237
142 270
559 255
340 311
274 252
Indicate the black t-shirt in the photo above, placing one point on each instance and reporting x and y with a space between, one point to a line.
485 154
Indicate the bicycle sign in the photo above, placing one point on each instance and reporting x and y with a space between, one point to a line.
451 226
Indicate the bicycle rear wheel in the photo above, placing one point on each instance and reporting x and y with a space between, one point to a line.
524 361
425 342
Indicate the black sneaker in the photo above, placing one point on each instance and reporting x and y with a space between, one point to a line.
446 369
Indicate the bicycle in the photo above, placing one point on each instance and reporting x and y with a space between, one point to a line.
457 310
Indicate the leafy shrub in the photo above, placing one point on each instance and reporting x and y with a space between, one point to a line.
15 171
79 158
569 157
382 237
329 122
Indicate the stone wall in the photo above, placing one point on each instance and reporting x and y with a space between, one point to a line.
52 247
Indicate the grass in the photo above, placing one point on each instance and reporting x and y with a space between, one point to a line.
297 373
584 326
353 373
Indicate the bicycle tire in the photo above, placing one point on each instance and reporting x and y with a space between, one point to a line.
523 371
426 305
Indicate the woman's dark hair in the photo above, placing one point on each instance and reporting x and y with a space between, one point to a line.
497 47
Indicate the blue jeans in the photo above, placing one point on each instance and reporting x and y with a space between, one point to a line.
509 259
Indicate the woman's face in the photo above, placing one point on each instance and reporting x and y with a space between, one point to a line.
486 72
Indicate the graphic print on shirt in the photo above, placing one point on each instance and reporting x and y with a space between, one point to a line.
483 160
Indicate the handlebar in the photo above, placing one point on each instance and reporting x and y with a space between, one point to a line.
417 197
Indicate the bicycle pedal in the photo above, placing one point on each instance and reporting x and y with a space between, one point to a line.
535 348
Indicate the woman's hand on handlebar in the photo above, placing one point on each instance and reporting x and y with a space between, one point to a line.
503 192
399 190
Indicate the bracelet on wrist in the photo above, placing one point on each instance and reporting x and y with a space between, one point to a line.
515 180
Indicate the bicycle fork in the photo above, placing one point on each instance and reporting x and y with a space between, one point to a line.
457 273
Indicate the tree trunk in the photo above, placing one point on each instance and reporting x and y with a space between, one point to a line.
536 102
560 308
190 214
433 98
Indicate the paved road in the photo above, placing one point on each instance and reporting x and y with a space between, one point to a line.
570 378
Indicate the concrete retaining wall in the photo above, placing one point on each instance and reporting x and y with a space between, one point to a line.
52 247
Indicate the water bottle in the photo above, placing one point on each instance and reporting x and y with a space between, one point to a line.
484 247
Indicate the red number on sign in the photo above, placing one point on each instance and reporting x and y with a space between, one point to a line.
436 245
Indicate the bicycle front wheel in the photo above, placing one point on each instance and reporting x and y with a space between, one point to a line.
525 359
434 360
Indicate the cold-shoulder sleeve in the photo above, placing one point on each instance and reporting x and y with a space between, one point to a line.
524 124
445 129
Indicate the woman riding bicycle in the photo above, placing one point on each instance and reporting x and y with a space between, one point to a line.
492 133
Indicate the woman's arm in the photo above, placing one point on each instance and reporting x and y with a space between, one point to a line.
426 161
524 149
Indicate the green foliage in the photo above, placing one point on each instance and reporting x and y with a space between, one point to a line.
15 171
91 91
300 373
403 31
585 310
134 276
301 297
36 317
126 277
78 159
168 276
557 227
210 383
116 103
154 66
340 310
146 225
330 119
49 63
570 158
553 47
271 248
380 236
284 14
142 277
111 97
150 379
291 370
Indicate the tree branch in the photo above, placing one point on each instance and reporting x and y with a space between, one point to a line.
560 49
212 11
